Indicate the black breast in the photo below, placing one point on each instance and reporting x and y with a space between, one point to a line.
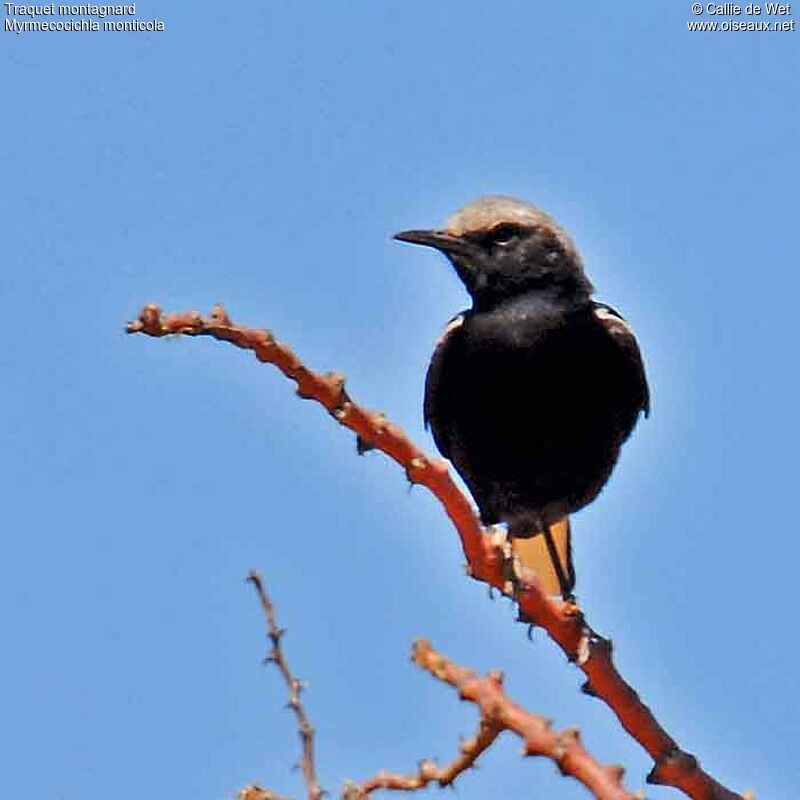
531 403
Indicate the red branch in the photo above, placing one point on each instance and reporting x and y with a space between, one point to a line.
499 713
564 622
564 748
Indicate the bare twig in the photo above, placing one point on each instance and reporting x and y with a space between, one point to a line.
539 739
498 713
275 634
429 771
563 621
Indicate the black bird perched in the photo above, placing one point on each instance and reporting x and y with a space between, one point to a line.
532 391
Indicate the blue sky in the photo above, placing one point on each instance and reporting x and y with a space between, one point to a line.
261 155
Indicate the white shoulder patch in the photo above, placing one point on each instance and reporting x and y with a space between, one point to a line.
612 321
450 329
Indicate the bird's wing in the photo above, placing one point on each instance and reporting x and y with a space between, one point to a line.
437 403
623 335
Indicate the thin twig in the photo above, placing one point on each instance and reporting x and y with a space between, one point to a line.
275 634
498 713
429 771
563 621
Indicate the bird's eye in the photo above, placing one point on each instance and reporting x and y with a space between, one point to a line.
553 257
503 234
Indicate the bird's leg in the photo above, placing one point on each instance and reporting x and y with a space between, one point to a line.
505 535
563 581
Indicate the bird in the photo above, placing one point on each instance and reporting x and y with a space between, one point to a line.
531 391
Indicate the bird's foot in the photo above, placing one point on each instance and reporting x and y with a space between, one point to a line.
502 540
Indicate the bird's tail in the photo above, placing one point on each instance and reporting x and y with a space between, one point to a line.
533 552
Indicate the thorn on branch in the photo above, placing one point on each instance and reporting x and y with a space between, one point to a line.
340 413
587 689
414 469
276 635
363 446
675 764
616 772
220 315
496 677
263 344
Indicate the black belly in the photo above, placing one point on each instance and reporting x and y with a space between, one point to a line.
536 425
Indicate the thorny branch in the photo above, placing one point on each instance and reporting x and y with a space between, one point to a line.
563 621
499 713
275 634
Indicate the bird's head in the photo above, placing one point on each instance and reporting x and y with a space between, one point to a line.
502 248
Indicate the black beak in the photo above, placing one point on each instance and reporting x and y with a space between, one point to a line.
445 242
